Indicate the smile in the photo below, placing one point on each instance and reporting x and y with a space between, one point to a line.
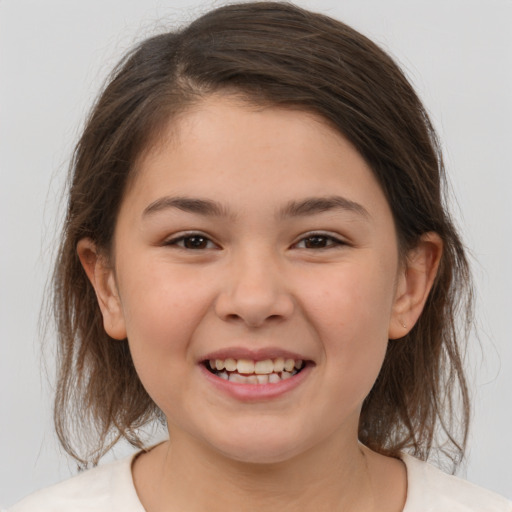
246 371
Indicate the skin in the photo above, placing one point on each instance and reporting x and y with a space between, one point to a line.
258 282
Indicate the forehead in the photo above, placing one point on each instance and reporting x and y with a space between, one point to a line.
232 150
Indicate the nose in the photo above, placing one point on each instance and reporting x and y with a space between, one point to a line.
254 292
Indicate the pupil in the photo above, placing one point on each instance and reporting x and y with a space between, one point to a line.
195 242
315 242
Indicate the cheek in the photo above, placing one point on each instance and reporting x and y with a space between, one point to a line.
351 317
352 301
162 310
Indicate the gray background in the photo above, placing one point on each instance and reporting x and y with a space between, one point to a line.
54 55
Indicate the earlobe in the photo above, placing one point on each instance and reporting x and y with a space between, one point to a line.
414 284
102 278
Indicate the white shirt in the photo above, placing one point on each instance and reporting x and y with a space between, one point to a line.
110 488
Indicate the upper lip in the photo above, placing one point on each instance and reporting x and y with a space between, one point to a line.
253 354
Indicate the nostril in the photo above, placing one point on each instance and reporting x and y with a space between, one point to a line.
254 305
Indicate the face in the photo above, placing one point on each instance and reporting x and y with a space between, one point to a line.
256 276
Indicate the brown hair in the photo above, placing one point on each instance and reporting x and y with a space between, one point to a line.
272 54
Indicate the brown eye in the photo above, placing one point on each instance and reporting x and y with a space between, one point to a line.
319 241
195 242
316 242
192 242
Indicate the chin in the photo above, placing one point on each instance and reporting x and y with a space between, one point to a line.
261 447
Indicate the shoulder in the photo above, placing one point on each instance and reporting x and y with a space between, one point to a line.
102 489
431 490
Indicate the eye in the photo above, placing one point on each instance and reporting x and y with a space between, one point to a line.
193 242
319 241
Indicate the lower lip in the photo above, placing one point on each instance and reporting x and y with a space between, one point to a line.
256 392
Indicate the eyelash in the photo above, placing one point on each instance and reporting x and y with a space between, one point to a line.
176 241
181 241
333 241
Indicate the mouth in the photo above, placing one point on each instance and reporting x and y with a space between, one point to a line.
247 371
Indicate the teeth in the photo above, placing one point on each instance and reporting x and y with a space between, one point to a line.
245 366
278 365
245 371
230 365
262 379
289 364
236 377
264 367
248 367
273 378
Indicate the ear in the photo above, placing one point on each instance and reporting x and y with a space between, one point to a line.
102 278
414 283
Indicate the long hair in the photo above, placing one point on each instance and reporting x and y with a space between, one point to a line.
270 54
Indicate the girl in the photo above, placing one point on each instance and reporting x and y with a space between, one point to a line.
256 252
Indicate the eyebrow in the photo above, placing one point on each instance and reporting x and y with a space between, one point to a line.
205 207
312 205
294 208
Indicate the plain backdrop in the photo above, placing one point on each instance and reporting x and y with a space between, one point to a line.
54 56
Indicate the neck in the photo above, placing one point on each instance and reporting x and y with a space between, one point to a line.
188 476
